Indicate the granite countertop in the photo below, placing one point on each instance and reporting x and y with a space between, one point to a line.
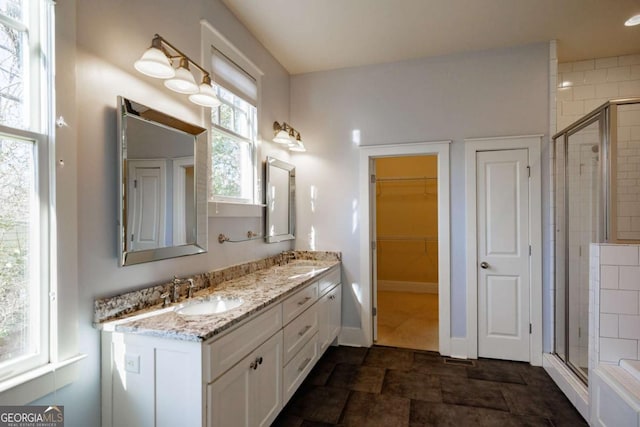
259 290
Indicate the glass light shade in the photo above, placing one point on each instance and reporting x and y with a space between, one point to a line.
206 96
298 147
182 82
282 137
154 63
634 20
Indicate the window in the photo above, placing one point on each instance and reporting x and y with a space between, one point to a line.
234 130
234 124
25 101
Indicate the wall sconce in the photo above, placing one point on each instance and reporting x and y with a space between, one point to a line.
285 134
157 62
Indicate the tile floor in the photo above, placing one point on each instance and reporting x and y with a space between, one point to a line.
391 387
408 320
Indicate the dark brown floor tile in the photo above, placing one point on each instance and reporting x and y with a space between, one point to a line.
564 414
434 365
389 358
373 410
469 392
287 420
498 371
537 376
412 385
343 354
444 415
356 377
320 374
314 424
319 404
525 400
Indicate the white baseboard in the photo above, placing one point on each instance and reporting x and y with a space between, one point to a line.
459 348
352 337
401 286
572 387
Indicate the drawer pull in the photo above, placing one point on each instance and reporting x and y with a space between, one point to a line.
304 301
304 330
254 365
332 297
304 364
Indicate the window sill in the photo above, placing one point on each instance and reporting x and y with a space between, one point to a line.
37 383
235 210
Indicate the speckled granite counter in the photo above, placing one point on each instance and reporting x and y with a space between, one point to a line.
258 289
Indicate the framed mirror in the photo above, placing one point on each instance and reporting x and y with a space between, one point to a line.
280 199
162 173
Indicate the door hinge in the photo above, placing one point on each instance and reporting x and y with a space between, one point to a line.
373 245
530 327
529 250
373 178
132 237
529 171
374 311
135 183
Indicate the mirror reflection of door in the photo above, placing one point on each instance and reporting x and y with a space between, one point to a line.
147 181
184 224
279 201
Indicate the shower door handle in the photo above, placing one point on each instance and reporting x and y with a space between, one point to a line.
484 264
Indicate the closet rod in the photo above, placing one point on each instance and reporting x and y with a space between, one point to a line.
406 178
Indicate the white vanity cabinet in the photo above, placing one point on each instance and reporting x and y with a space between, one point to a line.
241 377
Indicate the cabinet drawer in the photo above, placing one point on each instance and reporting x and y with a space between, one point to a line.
298 332
299 302
223 353
329 280
297 369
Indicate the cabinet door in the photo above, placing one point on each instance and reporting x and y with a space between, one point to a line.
250 393
335 313
329 317
266 382
228 398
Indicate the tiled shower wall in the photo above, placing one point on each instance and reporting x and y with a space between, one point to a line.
614 304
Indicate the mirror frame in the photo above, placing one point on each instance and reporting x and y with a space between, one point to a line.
199 135
291 169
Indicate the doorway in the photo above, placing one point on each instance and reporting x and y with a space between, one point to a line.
406 250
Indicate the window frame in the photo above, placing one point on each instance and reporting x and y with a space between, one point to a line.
253 144
212 39
38 93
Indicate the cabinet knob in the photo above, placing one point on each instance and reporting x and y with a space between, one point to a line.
254 365
260 360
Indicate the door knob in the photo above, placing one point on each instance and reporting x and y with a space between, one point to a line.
484 264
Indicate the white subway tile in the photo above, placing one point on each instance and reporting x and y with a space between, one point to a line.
607 62
607 90
629 89
619 255
596 76
584 92
584 65
565 94
573 77
629 327
629 59
629 278
614 349
608 325
619 74
572 108
609 277
618 302
564 67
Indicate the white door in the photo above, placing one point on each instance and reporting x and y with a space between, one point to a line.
147 204
503 254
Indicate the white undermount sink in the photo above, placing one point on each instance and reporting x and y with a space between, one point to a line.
209 306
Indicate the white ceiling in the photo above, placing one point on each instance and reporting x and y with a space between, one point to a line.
314 35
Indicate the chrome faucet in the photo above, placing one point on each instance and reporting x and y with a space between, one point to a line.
176 288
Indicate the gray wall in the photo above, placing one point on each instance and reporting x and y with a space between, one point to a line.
110 36
481 94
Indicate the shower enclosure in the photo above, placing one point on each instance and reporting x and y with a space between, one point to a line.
597 199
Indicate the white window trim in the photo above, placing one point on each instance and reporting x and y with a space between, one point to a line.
212 37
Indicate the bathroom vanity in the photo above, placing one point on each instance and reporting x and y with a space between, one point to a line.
237 368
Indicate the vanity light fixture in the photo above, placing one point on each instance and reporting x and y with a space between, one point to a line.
157 61
634 20
286 134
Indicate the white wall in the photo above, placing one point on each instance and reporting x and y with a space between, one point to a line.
110 36
481 94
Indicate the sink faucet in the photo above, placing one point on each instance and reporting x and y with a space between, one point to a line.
176 288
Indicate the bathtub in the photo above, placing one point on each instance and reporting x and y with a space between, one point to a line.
615 395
